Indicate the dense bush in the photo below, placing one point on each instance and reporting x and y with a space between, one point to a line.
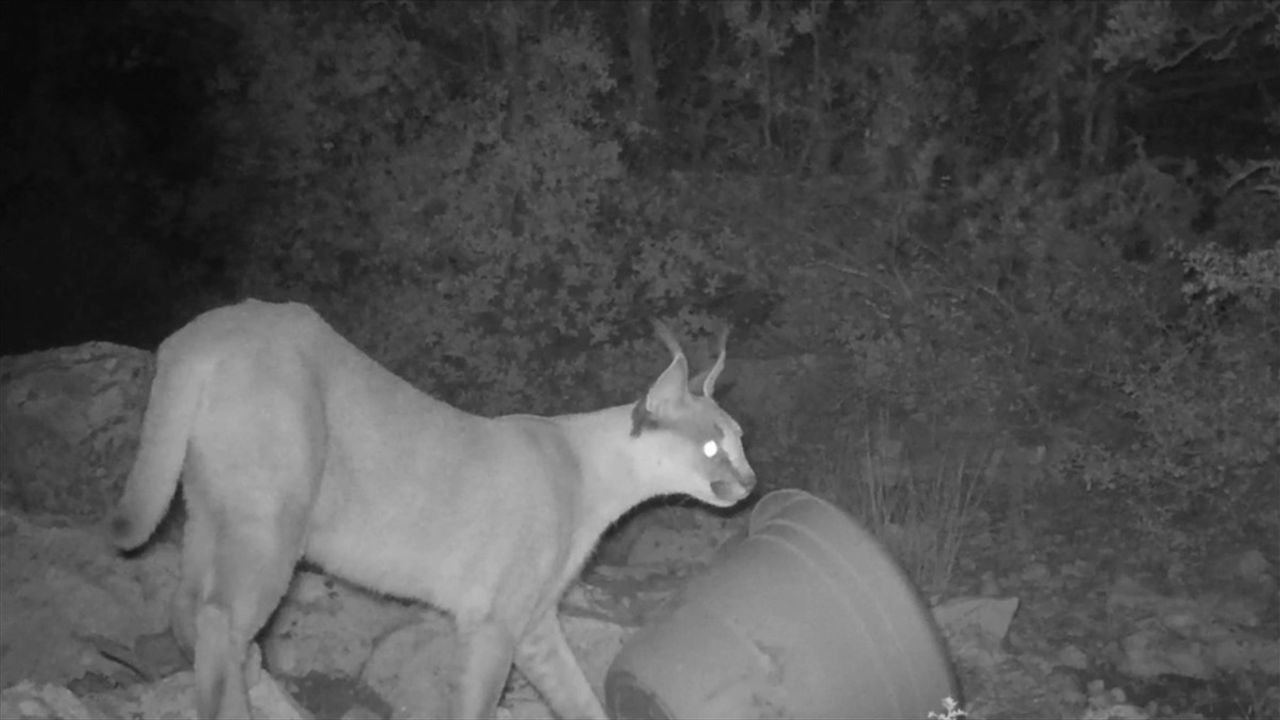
474 227
987 214
482 253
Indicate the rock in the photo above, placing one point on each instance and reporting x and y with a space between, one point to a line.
664 546
595 643
173 698
1149 653
976 627
1073 657
1251 566
1066 684
43 701
65 598
330 627
411 668
71 418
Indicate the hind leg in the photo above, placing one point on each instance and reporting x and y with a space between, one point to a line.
253 565
220 689
485 649
198 552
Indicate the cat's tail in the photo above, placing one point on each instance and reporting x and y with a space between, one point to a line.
166 429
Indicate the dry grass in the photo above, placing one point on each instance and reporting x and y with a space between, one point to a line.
916 497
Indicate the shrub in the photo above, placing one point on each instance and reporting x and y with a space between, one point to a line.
506 249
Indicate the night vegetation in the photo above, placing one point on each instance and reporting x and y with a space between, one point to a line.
1059 218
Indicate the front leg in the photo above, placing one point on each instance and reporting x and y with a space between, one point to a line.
544 657
484 662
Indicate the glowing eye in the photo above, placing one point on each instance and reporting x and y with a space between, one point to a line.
711 448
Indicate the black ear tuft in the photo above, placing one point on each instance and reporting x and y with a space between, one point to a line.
668 337
705 382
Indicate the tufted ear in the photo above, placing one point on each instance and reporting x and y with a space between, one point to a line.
706 380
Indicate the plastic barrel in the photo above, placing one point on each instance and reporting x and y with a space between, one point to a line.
806 617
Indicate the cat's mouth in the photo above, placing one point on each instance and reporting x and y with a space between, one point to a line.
729 492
